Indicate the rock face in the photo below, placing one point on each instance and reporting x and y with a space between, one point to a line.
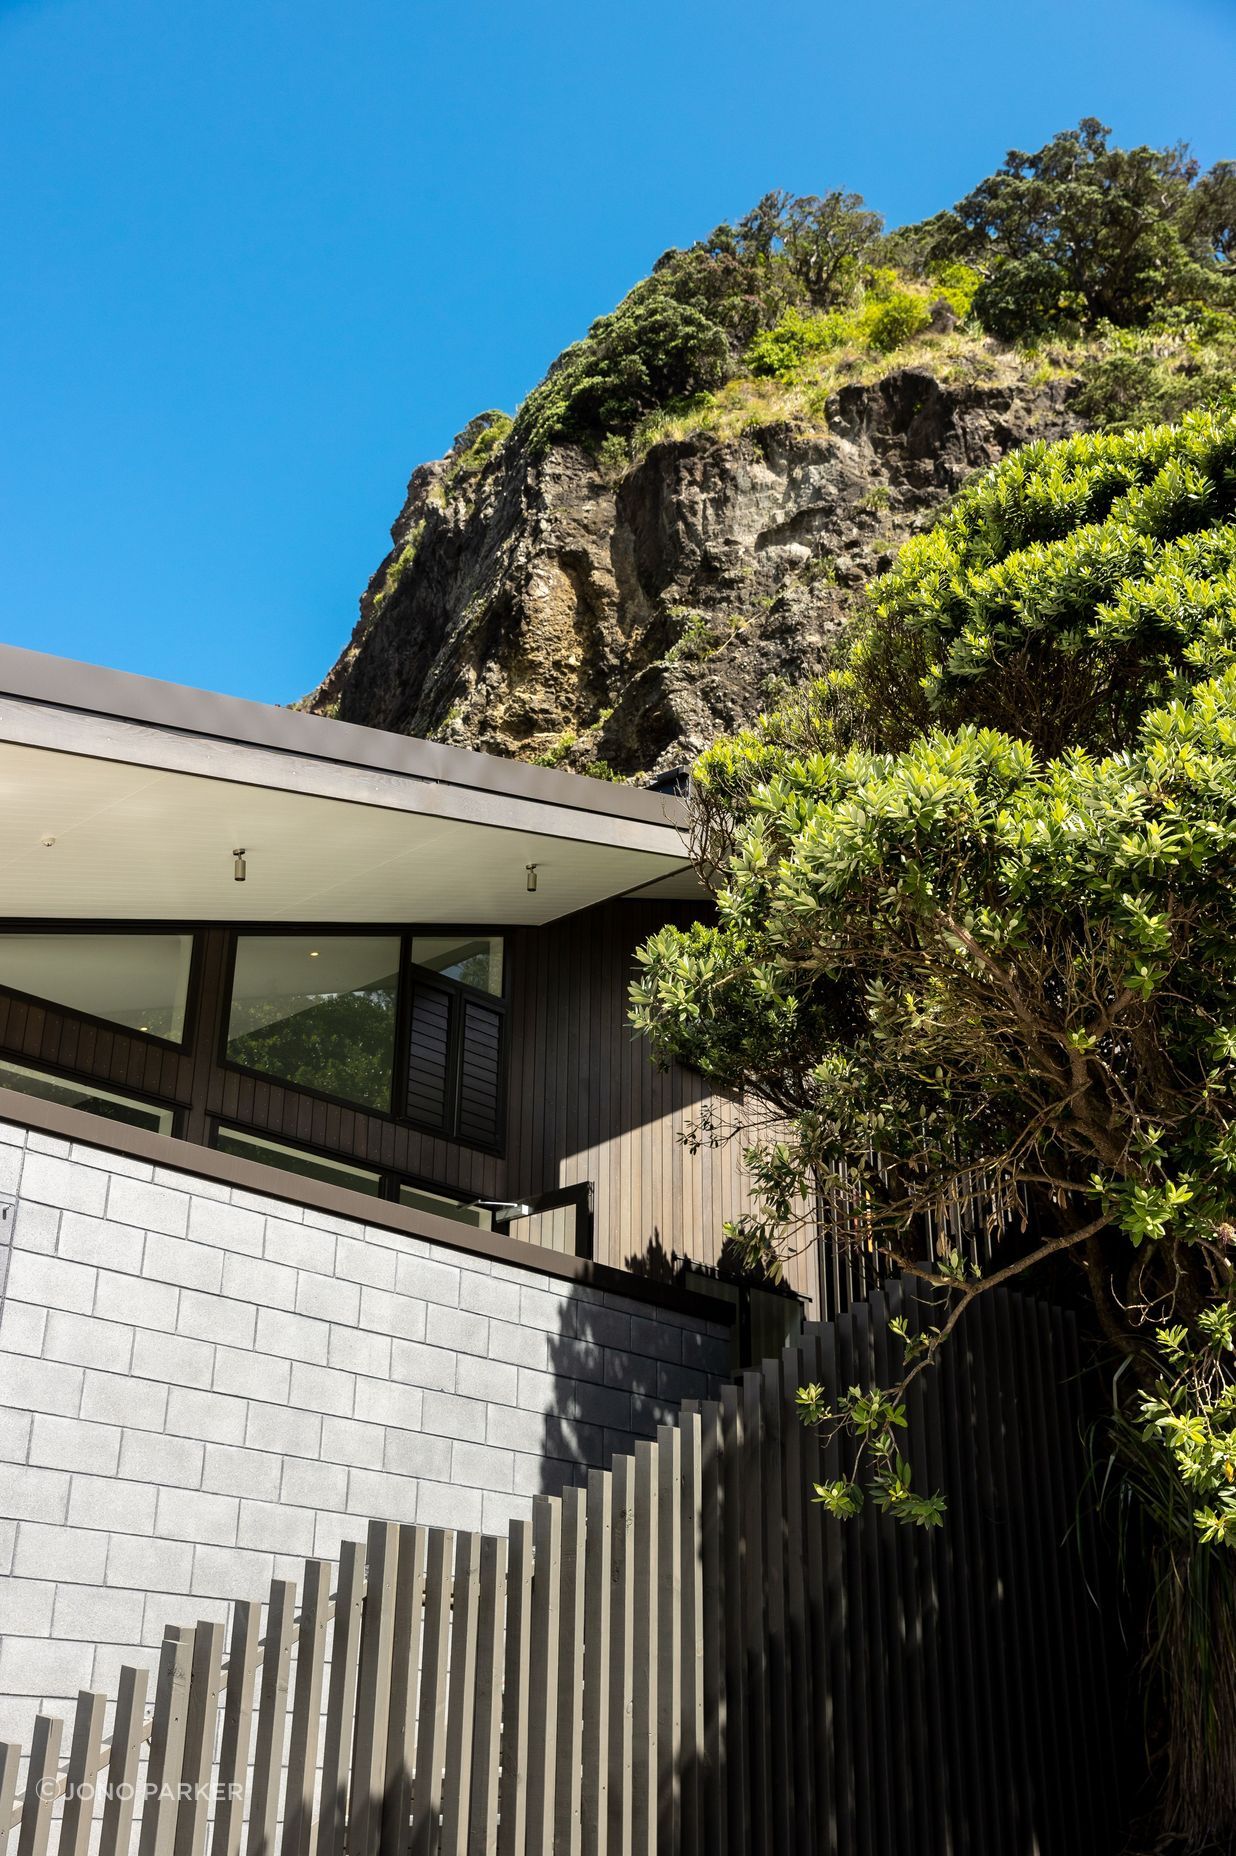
553 608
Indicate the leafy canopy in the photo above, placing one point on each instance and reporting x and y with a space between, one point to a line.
1066 591
974 938
1080 232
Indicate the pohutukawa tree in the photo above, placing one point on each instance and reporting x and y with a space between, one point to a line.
975 946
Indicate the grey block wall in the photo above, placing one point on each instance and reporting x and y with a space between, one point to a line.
199 1387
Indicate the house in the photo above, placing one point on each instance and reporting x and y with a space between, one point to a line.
333 1182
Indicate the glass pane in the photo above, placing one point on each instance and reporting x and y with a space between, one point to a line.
319 1011
137 980
292 1160
443 1206
86 1096
473 960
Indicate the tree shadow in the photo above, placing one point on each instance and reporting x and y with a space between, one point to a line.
622 1365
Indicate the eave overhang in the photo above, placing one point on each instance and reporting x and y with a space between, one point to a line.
124 799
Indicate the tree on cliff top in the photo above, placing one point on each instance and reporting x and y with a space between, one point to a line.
1080 233
974 939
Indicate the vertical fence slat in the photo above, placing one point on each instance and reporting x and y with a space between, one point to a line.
299 1822
755 1629
737 1764
80 1779
413 1546
713 1776
780 1716
513 1795
41 1773
237 1728
431 1730
373 1692
598 1579
644 1762
487 1729
801 1695
127 1725
167 1736
824 1712
543 1674
621 1674
691 1764
272 1718
567 1825
669 1635
461 1707
852 1672
341 1698
10 1763
201 1721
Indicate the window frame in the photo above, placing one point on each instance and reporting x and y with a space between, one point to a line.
193 985
390 1179
142 1098
408 972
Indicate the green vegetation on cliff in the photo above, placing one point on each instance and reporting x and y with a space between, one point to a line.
1115 265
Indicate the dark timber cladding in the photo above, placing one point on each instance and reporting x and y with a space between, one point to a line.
573 1100
586 1103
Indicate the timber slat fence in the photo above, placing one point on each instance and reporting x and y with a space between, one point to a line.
685 1656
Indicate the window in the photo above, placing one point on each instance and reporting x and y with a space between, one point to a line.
318 1011
469 960
140 981
455 1038
87 1096
295 1160
421 1199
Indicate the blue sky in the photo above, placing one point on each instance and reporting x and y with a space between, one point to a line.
261 259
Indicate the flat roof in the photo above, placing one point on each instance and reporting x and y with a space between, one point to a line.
125 797
36 676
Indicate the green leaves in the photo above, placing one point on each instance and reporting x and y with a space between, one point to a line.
1080 231
1067 591
973 943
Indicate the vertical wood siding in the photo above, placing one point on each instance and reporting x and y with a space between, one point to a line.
586 1103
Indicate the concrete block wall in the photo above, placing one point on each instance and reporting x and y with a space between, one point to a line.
199 1387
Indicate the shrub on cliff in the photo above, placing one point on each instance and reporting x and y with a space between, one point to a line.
682 330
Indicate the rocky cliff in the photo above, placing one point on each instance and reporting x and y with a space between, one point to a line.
552 608
682 514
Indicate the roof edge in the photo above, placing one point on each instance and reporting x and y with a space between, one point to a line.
66 683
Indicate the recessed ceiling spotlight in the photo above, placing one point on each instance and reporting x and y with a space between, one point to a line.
315 953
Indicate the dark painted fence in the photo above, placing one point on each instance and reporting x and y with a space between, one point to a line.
686 1656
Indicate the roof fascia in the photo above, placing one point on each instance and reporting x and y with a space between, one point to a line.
34 677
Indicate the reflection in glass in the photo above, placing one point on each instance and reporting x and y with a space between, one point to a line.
87 1096
140 981
292 1160
473 960
318 1011
443 1206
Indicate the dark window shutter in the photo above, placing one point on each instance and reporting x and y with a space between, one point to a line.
429 1055
480 1074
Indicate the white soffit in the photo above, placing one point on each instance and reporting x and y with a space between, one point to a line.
136 842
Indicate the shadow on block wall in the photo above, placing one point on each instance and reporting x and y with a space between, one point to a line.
621 1368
